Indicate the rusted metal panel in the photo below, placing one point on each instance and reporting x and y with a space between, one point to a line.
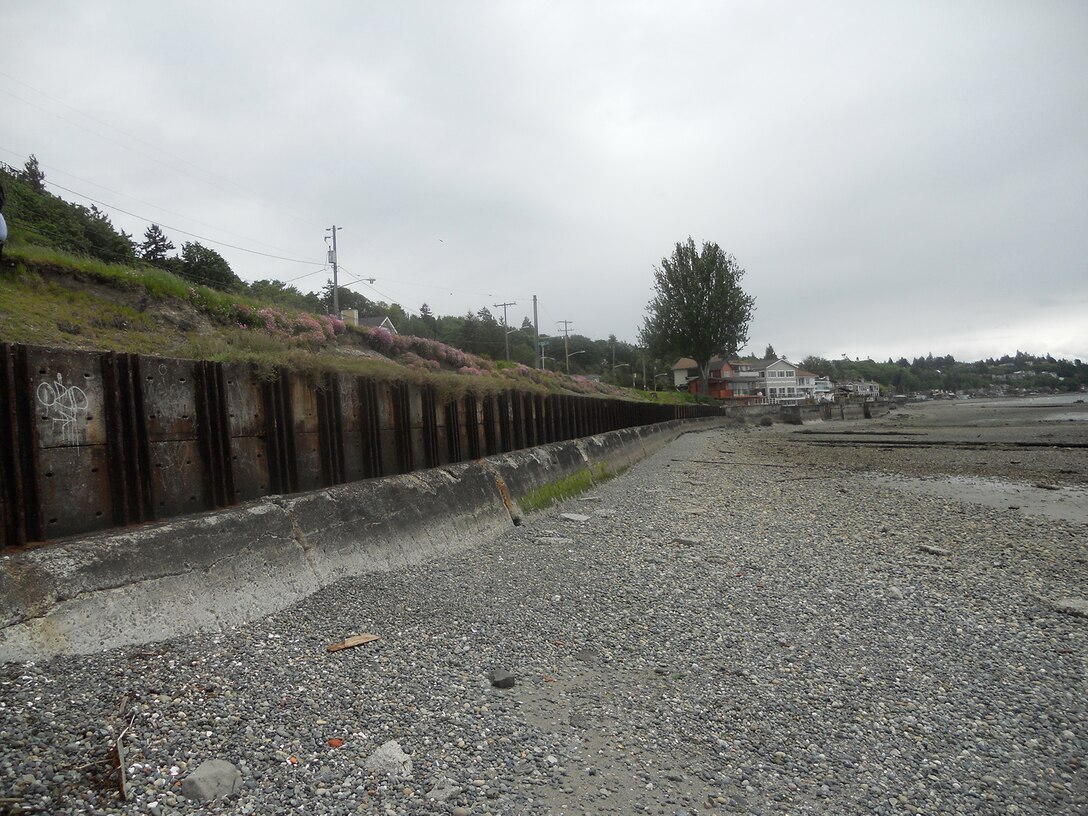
391 457
280 436
245 404
473 424
350 430
504 416
213 435
169 392
20 490
125 415
302 398
370 428
401 414
250 465
518 433
492 443
177 481
308 453
330 413
454 431
428 425
68 397
75 490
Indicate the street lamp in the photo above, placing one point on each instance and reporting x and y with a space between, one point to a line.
571 354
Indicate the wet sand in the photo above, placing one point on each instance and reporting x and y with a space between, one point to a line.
1028 455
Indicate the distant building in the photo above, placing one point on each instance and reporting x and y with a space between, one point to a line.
377 323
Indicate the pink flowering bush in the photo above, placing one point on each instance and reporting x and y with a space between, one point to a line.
299 327
380 340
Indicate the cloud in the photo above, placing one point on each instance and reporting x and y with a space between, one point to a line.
896 178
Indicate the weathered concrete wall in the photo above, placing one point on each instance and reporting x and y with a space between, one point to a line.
223 568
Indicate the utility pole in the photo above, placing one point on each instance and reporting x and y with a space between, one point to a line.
335 281
538 360
566 348
505 327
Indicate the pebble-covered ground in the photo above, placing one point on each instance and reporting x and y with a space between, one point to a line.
743 624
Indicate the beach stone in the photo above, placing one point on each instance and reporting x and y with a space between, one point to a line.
1078 607
932 550
578 517
501 678
391 761
443 789
212 779
685 542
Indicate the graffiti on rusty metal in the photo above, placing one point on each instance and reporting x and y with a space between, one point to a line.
63 405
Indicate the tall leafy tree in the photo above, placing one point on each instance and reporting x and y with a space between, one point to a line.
769 354
207 267
699 309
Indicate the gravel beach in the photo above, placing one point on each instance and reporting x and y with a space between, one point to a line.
793 619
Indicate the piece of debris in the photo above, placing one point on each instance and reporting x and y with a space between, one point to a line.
1045 486
586 655
117 755
1078 607
895 593
501 678
574 517
685 542
352 642
213 779
555 540
932 550
391 760
336 742
589 498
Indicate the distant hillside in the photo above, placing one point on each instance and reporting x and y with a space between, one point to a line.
1017 374
40 219
49 298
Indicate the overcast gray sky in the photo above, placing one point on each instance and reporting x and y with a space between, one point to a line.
896 178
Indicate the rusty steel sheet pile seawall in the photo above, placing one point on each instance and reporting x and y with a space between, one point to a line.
235 495
94 440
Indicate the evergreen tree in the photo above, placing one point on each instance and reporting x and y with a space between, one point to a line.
155 246
33 175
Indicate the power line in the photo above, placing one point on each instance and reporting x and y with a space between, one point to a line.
137 200
238 187
178 229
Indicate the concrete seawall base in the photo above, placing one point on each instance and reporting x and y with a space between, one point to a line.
225 568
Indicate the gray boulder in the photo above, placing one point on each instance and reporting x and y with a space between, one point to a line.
391 761
214 779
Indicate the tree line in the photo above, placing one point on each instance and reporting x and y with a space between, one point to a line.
944 373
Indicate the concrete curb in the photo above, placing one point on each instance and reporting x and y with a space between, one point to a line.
221 569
